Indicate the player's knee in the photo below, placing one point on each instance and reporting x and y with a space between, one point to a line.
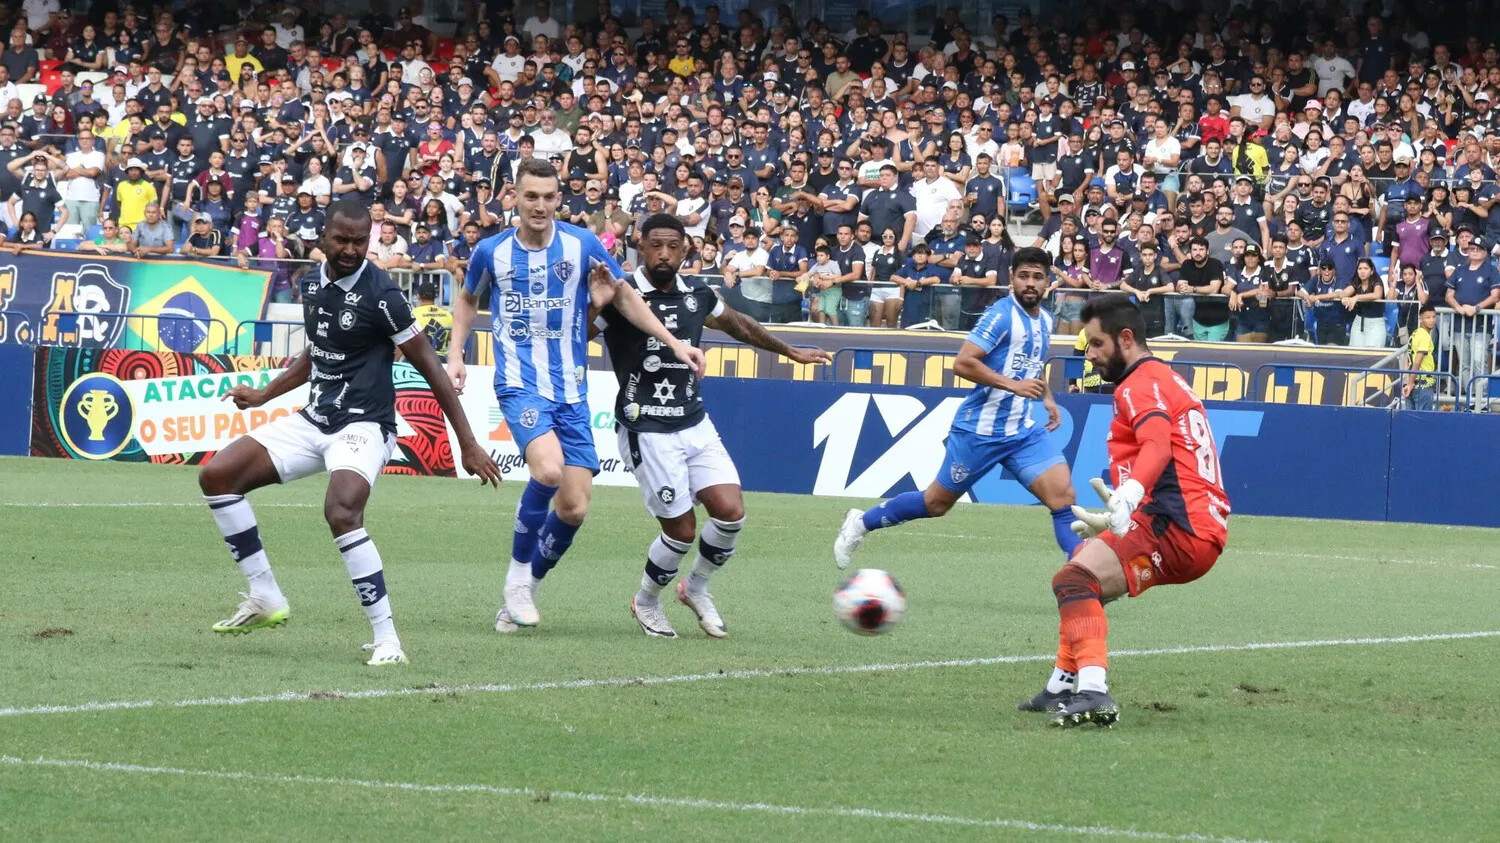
1074 582
546 473
341 517
937 505
571 506
215 479
683 529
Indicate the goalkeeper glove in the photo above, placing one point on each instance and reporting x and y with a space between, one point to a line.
1119 505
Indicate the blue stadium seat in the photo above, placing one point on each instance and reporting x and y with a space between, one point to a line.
1392 321
1022 192
69 245
1382 266
95 230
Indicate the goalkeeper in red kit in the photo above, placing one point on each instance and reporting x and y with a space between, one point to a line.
1165 522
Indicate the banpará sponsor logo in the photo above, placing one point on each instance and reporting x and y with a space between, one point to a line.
514 302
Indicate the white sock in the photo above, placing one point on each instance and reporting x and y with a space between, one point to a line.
663 560
362 561
1091 678
715 547
236 524
1061 681
518 572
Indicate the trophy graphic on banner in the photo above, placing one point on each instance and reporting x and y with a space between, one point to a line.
97 407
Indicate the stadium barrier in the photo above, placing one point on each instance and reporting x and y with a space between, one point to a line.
815 437
98 301
270 337
16 363
1296 383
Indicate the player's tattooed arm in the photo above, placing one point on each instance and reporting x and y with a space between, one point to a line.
751 332
293 376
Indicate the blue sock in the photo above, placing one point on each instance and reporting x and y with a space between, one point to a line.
554 539
531 511
1062 527
907 506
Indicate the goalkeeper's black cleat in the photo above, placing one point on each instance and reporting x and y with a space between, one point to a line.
1046 701
1088 707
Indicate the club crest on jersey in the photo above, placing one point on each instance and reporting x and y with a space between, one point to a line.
563 269
691 303
346 319
666 494
959 472
529 417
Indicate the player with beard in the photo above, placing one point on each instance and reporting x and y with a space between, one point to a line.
356 319
674 451
1165 522
1004 356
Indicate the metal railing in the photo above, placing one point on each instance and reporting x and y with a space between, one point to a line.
150 332
1466 347
1305 383
270 338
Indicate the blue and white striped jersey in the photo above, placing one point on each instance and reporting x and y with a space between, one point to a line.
1015 345
540 302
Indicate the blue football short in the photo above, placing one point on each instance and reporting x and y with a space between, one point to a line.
529 416
969 456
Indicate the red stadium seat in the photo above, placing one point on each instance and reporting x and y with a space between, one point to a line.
332 65
51 80
444 49
438 67
48 65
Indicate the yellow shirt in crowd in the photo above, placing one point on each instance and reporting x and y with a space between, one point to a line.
1421 341
436 324
132 200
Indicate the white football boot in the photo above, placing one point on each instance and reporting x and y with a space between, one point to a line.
652 619
520 603
702 605
851 536
385 651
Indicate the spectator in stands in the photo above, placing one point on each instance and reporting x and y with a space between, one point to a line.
1473 287
1201 280
1325 294
111 240
205 240
1366 306
1418 389
37 192
26 236
153 235
747 267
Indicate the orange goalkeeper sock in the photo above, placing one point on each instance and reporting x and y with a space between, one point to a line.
1084 629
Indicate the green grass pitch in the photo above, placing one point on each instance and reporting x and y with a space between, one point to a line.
790 729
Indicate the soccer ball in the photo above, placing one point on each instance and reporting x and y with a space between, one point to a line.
869 603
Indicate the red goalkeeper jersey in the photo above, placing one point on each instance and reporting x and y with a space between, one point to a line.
1190 491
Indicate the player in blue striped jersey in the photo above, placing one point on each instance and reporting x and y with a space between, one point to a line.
539 280
1004 356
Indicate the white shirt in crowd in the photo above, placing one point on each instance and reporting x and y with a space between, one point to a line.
83 188
932 202
686 207
535 26
508 68
1254 109
1332 73
550 143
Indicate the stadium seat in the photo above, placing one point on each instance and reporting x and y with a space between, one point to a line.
48 65
444 49
1022 192
29 92
51 80
1392 321
1382 266
332 65
95 230
94 76
68 245
438 67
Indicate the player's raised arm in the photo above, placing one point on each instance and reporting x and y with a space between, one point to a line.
293 376
751 332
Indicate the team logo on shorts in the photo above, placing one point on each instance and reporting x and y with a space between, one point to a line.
691 303
959 472
529 417
346 319
563 269
666 494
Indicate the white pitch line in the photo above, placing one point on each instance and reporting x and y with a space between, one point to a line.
135 504
631 799
682 679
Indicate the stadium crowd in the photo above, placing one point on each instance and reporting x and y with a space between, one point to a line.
1277 170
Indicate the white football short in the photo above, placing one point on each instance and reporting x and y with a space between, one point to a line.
671 468
299 449
880 293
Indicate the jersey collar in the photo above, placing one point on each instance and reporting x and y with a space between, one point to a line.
644 285
347 282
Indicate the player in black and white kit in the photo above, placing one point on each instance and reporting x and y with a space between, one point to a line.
665 433
355 319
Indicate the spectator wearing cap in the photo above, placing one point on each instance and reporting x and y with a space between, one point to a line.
1436 265
1474 285
1410 243
306 220
132 195
426 255
205 241
357 179
1324 294
1248 287
975 277
747 267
